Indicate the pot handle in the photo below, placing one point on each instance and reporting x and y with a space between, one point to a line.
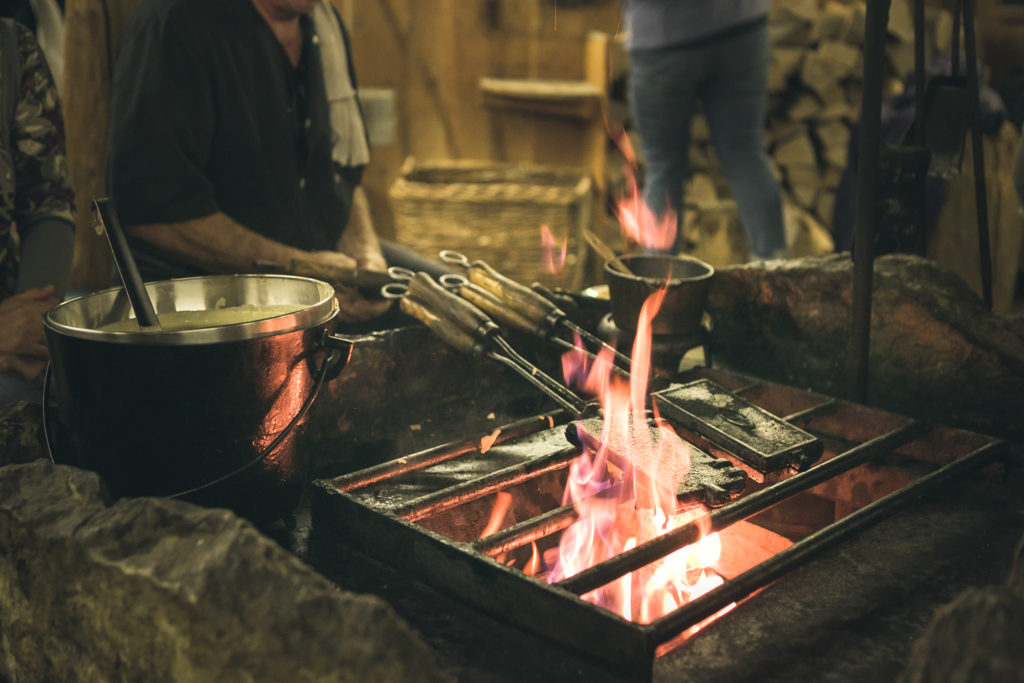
332 359
340 348
47 427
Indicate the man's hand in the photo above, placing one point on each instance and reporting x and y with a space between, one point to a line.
21 322
333 258
371 259
354 307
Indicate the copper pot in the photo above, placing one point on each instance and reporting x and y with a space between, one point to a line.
189 412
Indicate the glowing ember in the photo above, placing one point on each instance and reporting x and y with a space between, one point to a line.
487 441
555 254
638 221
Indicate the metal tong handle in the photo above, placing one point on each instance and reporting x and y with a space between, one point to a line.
468 329
522 300
541 315
492 306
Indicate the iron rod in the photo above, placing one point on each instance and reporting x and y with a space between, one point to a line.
535 528
527 531
747 387
625 363
813 410
741 586
869 152
919 85
552 386
921 211
657 548
958 12
456 495
978 156
438 454
554 395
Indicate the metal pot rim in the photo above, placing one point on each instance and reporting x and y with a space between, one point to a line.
318 307
660 281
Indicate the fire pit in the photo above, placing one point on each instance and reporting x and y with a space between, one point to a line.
481 519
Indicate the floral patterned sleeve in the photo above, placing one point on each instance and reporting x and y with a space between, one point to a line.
42 189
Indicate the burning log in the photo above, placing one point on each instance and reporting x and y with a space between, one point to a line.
936 352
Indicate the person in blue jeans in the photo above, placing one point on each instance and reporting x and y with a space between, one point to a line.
714 51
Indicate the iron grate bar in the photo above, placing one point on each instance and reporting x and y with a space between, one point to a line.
741 586
527 531
438 454
453 496
605 572
813 410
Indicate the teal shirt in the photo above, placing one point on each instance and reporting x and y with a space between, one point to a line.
654 24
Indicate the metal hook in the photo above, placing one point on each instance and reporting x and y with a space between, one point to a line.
453 257
394 290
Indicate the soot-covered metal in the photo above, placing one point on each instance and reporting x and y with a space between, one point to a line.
428 513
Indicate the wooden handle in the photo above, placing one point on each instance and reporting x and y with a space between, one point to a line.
443 329
489 304
445 304
523 300
603 250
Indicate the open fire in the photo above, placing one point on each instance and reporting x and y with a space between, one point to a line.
623 489
608 532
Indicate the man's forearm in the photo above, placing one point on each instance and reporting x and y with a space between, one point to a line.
216 243
359 240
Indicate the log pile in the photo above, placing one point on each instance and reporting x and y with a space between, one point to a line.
814 85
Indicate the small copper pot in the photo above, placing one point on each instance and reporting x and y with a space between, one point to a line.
687 280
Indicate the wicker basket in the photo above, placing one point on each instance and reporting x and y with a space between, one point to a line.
494 212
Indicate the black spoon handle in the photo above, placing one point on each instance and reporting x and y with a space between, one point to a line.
137 294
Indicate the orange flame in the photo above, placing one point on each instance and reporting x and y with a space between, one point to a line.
502 501
533 566
638 221
554 264
649 464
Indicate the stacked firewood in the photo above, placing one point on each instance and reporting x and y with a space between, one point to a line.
814 84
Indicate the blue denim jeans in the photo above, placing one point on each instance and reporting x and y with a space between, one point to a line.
729 77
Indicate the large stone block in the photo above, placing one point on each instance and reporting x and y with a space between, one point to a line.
160 590
936 352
